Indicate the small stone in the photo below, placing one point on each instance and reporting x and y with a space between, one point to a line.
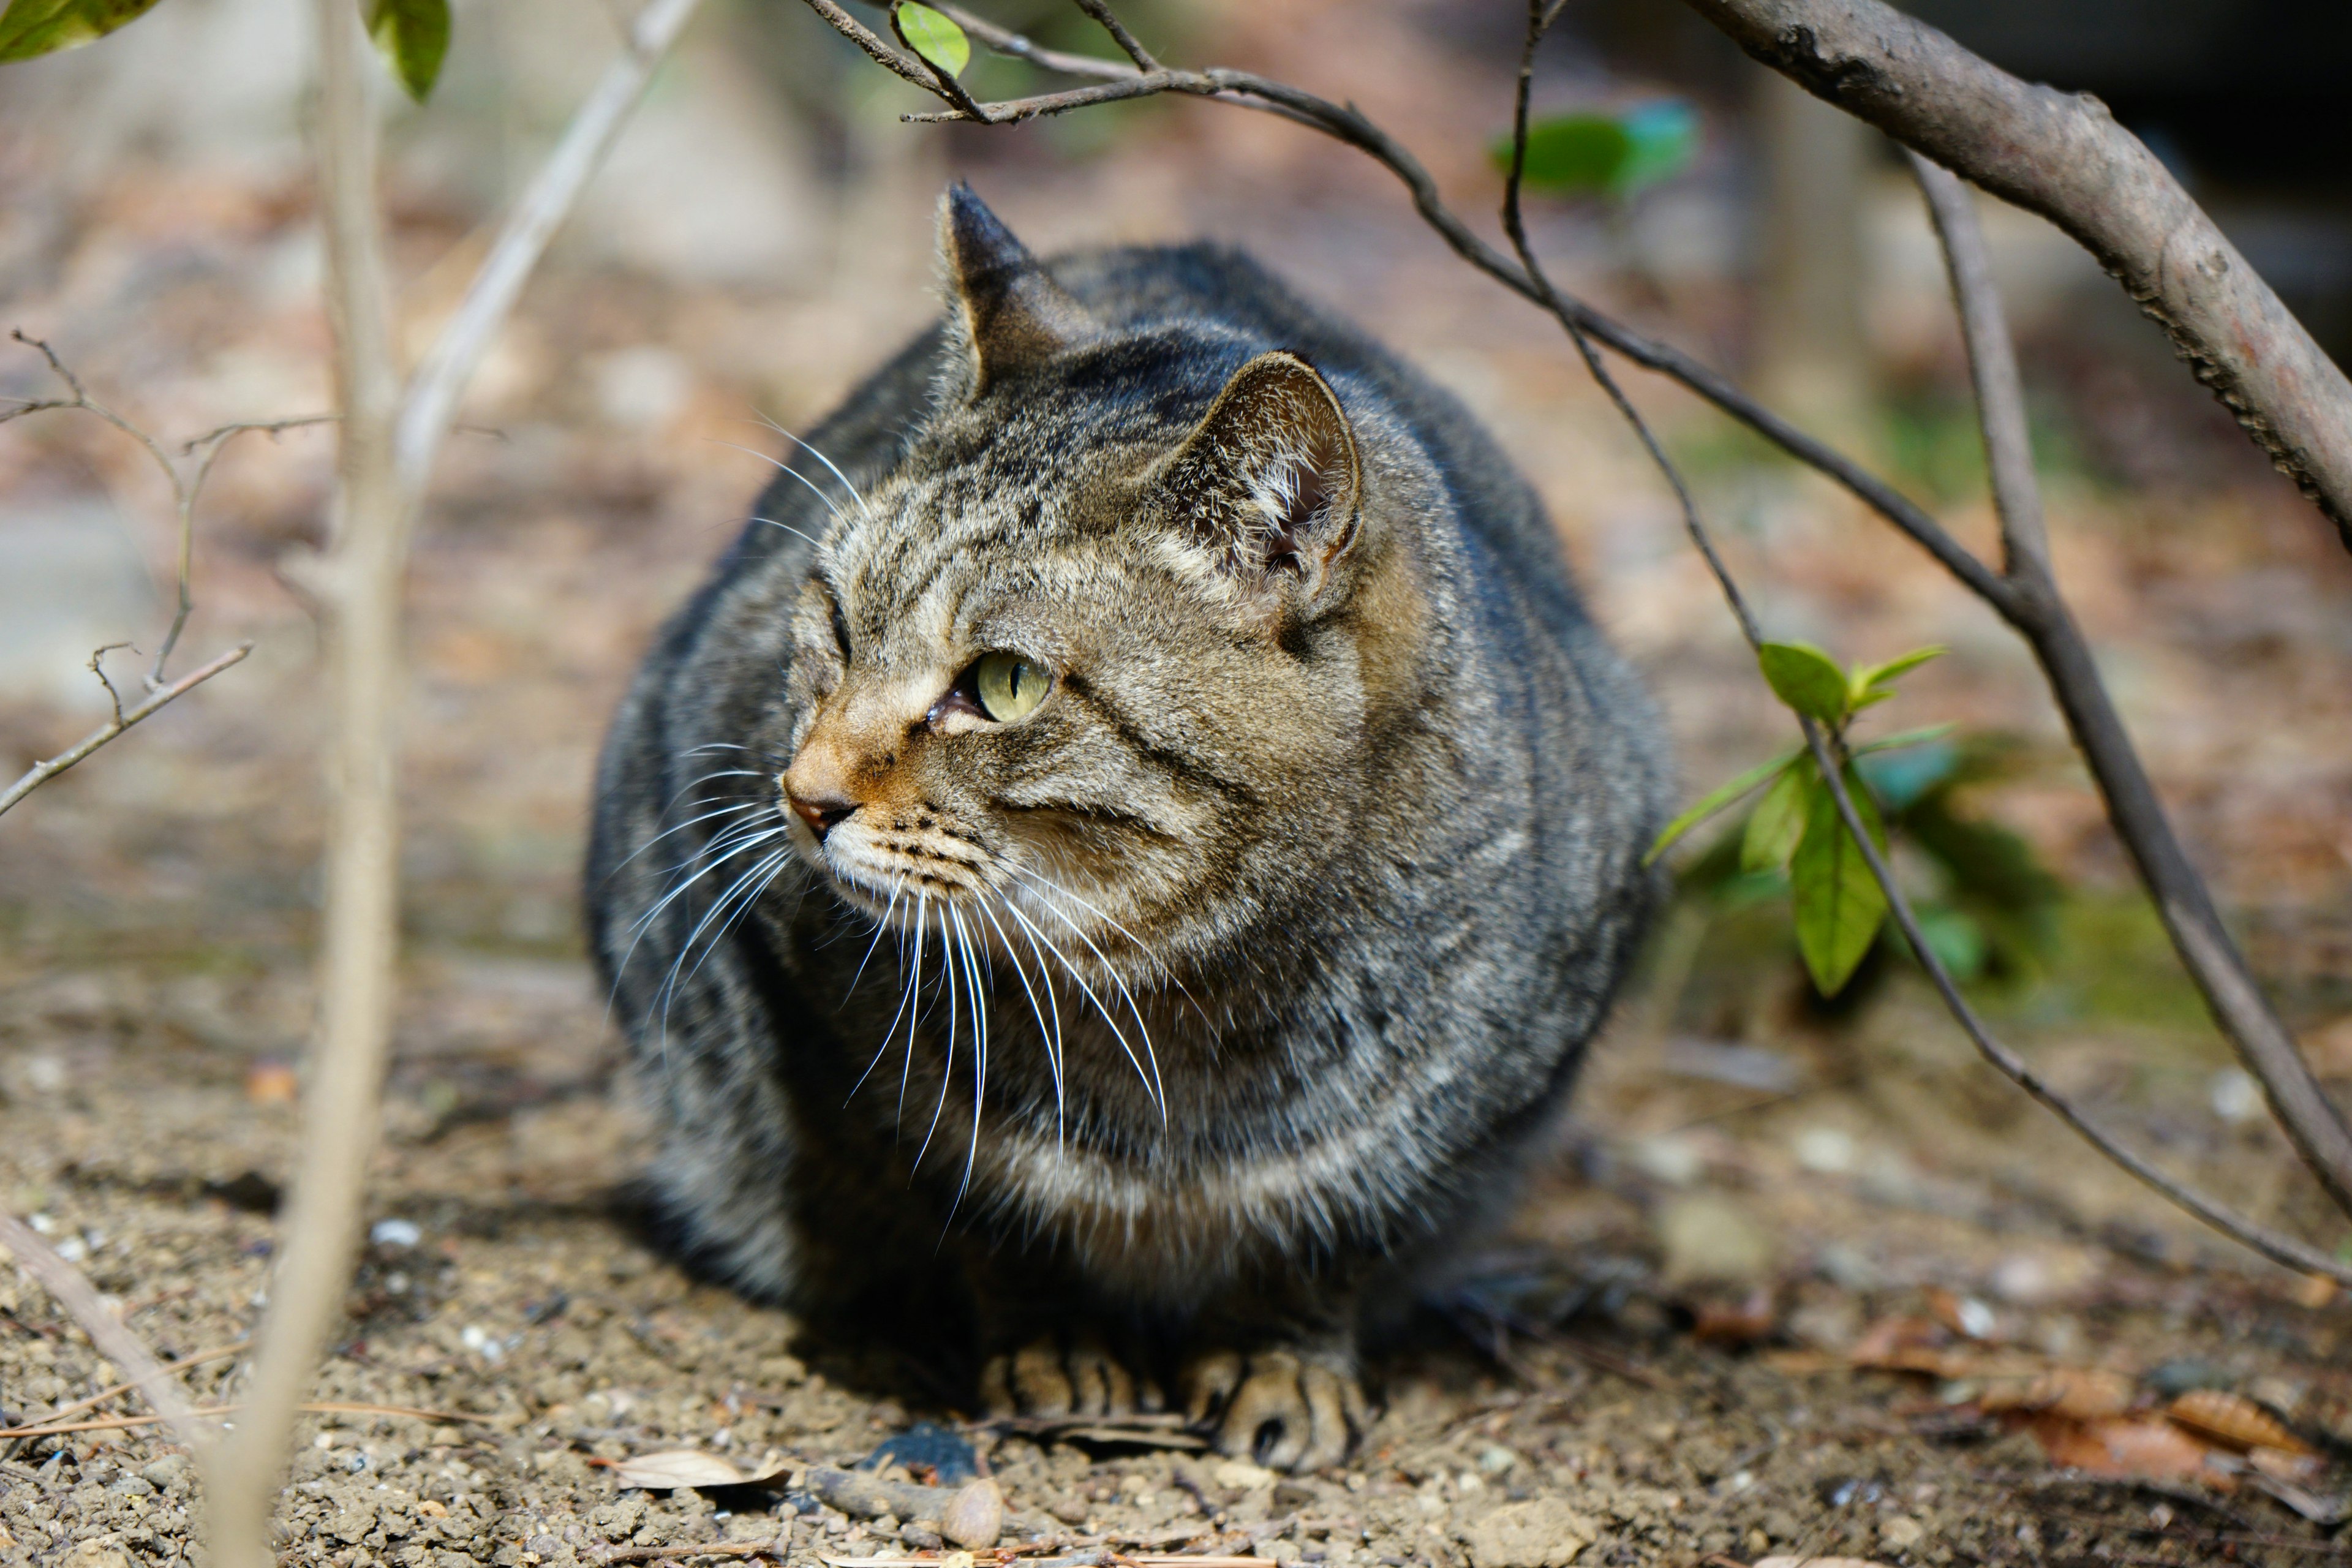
1901 1532
1240 1475
974 1517
1543 1532
162 1472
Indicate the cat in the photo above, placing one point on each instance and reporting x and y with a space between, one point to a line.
1126 851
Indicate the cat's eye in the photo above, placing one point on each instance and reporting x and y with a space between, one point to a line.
1008 686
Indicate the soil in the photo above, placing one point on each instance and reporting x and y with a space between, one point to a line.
1664 1362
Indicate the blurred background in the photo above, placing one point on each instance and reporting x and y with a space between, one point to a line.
761 239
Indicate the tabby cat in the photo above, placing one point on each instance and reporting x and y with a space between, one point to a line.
1120 863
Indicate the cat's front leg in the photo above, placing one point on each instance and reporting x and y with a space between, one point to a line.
1290 1400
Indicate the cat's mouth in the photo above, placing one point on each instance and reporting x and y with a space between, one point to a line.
887 869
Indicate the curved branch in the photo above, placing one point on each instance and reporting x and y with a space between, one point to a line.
124 718
2063 156
2302 1107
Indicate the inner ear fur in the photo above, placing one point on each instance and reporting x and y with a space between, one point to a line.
1010 312
1271 476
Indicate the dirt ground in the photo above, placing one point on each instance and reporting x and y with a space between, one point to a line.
1803 1280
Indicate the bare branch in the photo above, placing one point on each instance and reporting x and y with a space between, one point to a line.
2005 401
554 190
2278 1248
1110 24
2063 156
114 1341
1006 42
1992 367
40 773
211 442
2183 903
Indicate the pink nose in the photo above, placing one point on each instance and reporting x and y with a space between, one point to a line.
822 813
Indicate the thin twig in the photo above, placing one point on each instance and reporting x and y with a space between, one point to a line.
2183 903
1004 41
432 398
114 1341
103 1395
1110 24
209 1412
213 443
40 773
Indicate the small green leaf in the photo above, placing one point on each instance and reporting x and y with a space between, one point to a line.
933 36
1868 682
1576 154
1806 679
1838 904
1716 800
413 37
29 28
1607 154
1778 821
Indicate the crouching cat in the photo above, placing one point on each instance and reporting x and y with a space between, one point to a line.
1125 856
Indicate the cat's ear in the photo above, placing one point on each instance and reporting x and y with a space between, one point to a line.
1006 308
1270 478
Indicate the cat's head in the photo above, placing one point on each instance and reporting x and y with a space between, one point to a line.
1103 662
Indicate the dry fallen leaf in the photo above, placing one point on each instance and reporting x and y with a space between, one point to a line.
2078 1393
1716 1322
2233 1421
675 1468
1818 1563
2144 1446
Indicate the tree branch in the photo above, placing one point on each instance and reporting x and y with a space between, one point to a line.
441 378
2182 900
40 773
116 1342
2019 501
2063 156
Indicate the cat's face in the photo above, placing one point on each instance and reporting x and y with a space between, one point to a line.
1081 678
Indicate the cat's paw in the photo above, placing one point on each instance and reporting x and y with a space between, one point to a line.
1055 1376
1289 1409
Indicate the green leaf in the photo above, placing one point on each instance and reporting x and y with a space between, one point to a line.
1574 155
413 37
1838 904
1867 682
29 28
1778 821
1716 800
1806 679
1607 154
933 36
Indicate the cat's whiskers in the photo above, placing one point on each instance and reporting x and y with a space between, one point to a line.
1102 1010
1053 1041
971 967
821 458
1142 1029
735 839
947 1071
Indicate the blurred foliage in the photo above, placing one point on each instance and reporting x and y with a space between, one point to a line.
33 27
1613 153
413 35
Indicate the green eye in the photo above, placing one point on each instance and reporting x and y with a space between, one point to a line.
1009 686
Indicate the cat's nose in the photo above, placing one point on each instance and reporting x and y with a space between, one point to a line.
823 812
